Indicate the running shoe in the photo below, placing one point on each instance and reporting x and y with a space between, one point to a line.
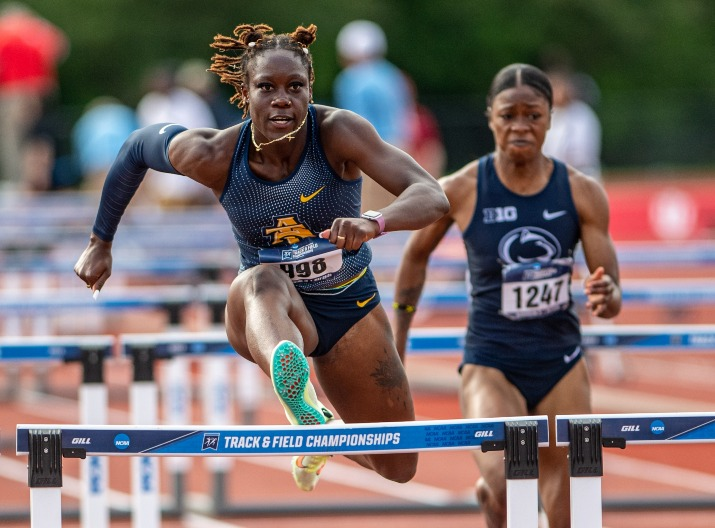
306 470
290 374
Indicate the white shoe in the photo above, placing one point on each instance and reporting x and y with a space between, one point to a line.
306 470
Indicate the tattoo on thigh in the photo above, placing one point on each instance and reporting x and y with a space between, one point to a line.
387 376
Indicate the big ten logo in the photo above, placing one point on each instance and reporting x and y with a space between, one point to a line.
495 215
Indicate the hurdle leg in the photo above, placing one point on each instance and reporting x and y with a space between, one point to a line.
176 399
45 478
522 473
217 409
143 396
94 474
586 466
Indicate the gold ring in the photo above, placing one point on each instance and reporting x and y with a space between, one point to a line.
341 237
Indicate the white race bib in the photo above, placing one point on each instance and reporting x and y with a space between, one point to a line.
536 289
309 260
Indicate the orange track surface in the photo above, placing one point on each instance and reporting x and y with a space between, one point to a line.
647 383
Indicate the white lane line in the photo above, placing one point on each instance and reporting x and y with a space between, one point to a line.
364 479
658 472
613 399
193 520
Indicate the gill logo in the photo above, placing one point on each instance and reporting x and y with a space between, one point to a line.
362 304
308 198
287 229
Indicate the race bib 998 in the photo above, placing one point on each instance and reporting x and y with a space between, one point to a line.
309 260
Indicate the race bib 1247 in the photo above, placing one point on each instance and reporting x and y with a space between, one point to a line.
536 289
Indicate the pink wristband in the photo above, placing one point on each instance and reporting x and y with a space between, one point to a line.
375 216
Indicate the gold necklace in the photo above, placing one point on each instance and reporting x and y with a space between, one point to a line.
290 135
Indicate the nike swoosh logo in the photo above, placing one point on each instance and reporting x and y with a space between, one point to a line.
570 357
362 304
162 130
308 198
551 216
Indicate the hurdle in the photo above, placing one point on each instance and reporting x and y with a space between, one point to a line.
91 352
587 435
438 294
631 337
47 445
176 348
427 341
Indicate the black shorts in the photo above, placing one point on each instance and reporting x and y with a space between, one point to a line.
533 375
334 313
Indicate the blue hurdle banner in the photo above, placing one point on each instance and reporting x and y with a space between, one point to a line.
648 428
390 437
46 445
587 435
446 340
168 345
53 348
690 337
438 295
638 337
667 292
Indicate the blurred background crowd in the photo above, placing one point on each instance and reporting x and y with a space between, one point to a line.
77 76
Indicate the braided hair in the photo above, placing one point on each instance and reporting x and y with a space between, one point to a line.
248 42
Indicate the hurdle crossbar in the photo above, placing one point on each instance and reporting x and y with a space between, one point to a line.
447 340
53 348
46 445
340 439
619 430
437 295
587 435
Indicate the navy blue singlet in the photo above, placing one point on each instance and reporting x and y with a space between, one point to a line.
519 251
279 222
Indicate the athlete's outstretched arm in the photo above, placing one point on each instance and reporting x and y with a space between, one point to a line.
145 148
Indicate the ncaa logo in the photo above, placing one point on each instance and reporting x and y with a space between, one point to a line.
657 427
210 442
121 441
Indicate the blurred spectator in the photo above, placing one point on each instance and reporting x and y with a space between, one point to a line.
374 88
575 133
192 74
425 138
97 137
31 49
165 101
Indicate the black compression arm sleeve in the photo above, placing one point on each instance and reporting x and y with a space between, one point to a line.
146 148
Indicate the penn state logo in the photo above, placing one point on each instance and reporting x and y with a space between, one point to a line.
528 244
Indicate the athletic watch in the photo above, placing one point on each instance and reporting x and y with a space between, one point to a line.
375 216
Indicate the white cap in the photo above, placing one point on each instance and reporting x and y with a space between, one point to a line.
361 39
